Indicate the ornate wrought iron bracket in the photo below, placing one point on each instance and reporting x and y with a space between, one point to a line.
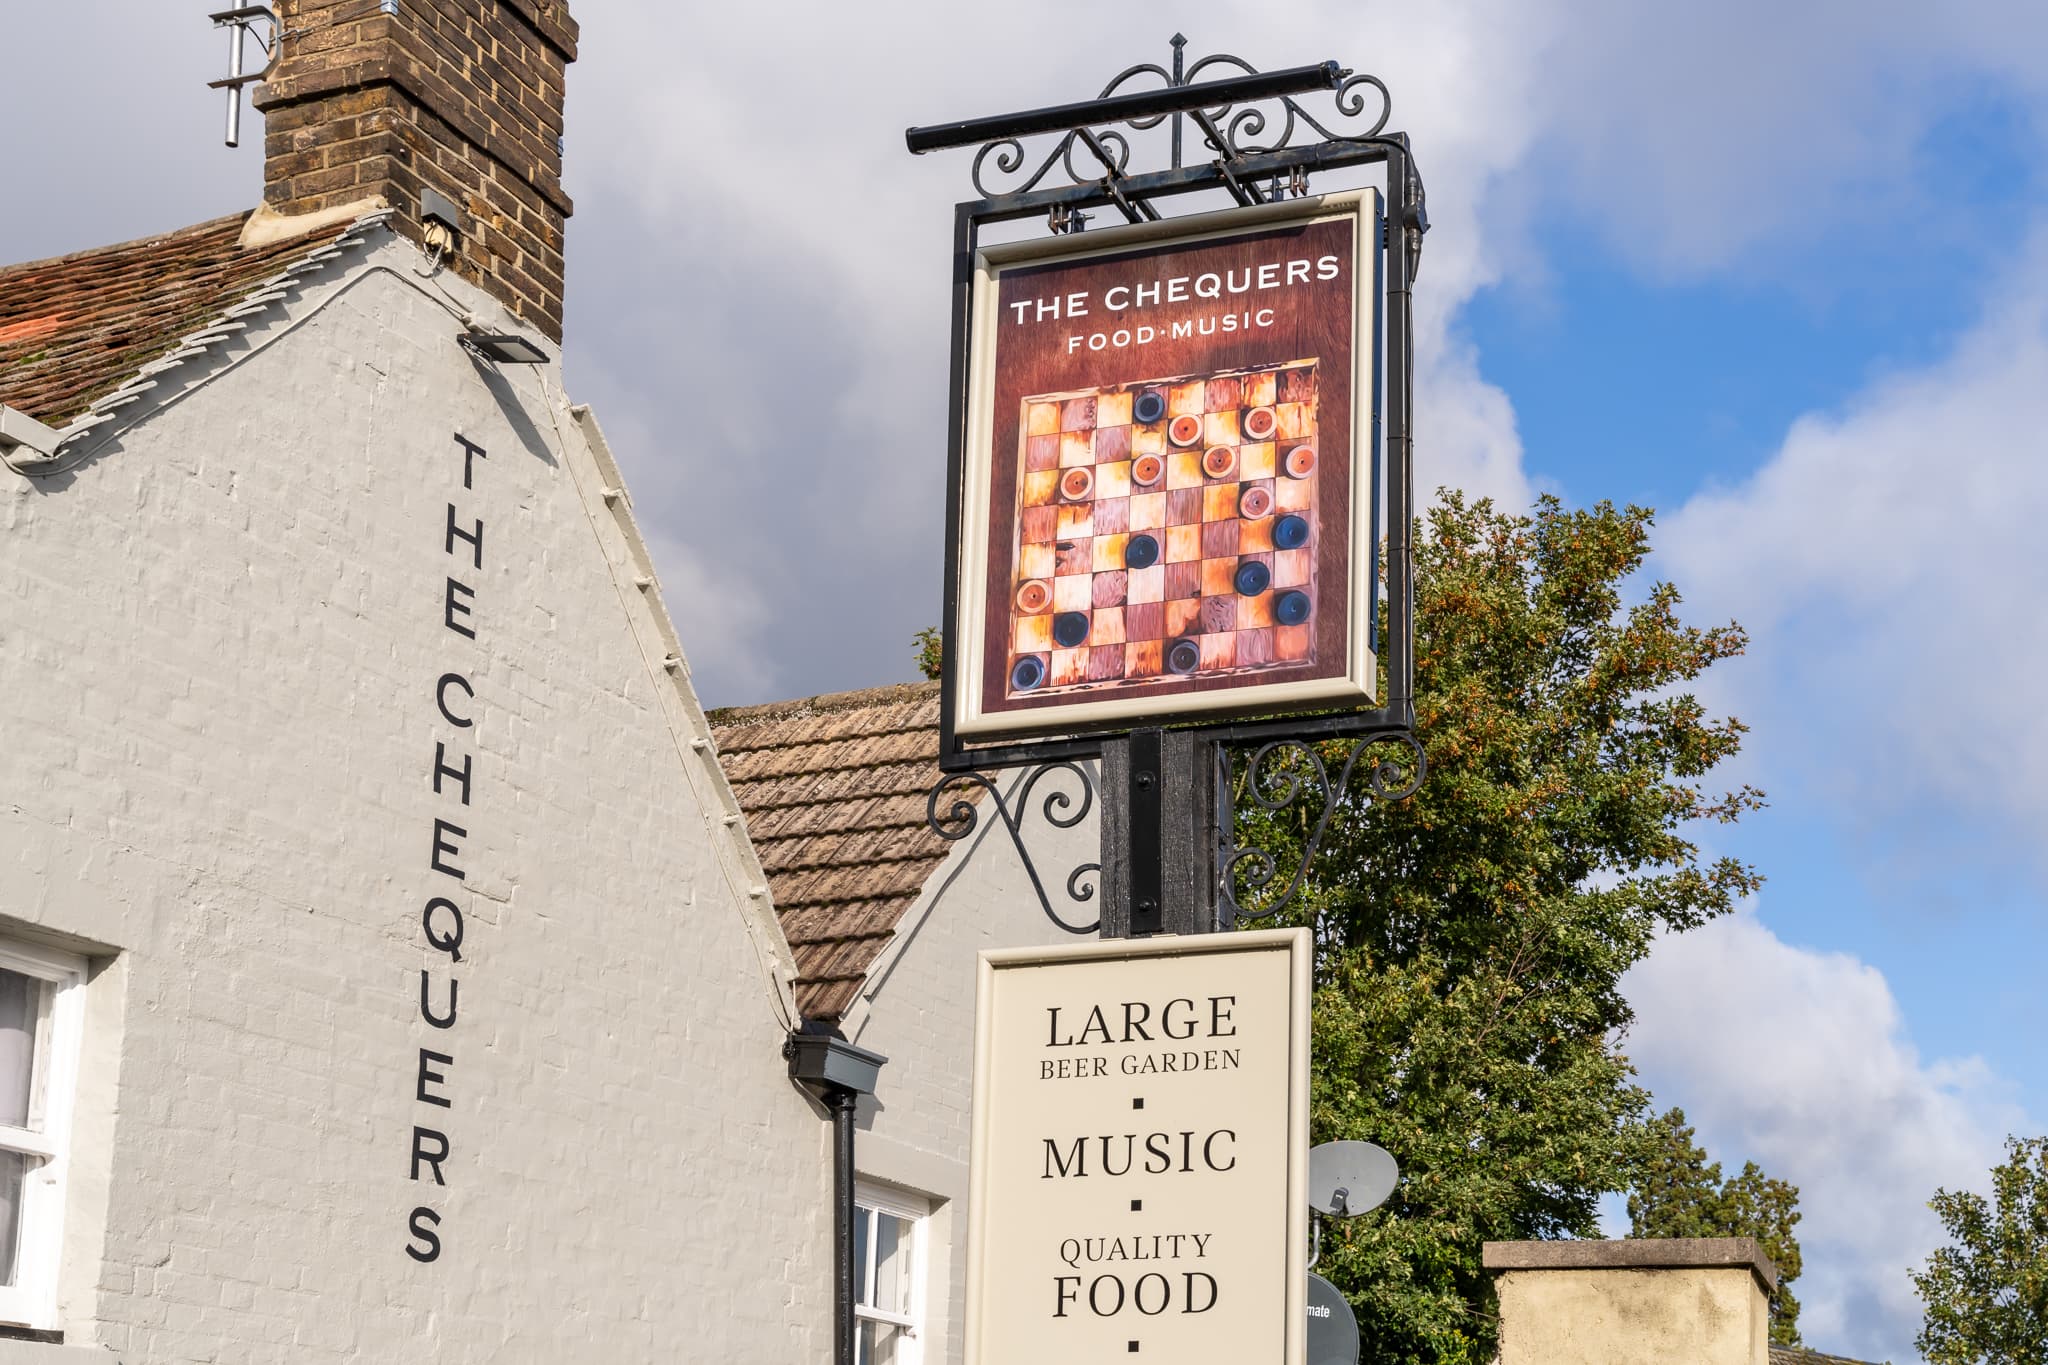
1060 808
1264 140
1279 774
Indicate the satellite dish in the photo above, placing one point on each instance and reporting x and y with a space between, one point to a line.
1332 1329
1346 1179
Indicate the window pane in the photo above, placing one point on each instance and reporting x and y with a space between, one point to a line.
860 1255
21 1007
878 1343
892 1263
13 1168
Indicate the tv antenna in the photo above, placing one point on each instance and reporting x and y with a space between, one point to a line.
241 25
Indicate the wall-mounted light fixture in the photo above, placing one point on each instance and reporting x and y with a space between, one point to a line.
503 348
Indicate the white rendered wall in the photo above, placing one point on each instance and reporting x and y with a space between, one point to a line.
918 1010
219 648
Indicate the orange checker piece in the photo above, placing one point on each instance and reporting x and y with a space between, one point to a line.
1034 597
1077 483
1219 462
1259 424
1185 429
1147 470
1301 462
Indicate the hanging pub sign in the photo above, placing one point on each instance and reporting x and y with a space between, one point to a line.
1139 1157
1167 479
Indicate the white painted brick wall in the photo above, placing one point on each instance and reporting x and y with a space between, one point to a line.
218 646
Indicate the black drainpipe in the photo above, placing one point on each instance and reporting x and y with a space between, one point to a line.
838 1074
843 1103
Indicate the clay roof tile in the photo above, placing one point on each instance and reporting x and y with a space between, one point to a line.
834 790
75 328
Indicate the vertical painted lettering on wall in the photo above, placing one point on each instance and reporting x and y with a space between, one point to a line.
453 772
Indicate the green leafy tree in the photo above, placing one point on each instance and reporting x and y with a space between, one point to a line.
1679 1193
1987 1292
1471 938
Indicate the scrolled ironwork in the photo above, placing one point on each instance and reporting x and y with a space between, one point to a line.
1239 127
1276 776
1060 809
1009 155
1232 132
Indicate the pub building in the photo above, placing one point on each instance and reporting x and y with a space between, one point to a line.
395 961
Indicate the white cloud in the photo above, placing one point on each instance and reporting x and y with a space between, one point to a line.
759 246
772 268
1888 563
1700 139
751 220
1800 1060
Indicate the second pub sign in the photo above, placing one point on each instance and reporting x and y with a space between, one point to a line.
1140 1135
1168 470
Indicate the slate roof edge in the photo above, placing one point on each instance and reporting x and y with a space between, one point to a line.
154 379
697 747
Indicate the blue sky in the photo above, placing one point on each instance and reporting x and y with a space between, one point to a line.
1779 271
1637 388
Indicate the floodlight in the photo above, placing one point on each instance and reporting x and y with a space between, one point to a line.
503 348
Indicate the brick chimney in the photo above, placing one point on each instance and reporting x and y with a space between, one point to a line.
382 98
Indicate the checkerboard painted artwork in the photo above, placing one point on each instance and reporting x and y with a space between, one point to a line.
1165 529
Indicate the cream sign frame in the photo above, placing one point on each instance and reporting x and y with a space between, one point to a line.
1231 303
1139 1178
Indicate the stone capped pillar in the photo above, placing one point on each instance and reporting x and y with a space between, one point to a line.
1644 1301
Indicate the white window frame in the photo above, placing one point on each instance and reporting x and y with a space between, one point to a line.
917 1212
31 1301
